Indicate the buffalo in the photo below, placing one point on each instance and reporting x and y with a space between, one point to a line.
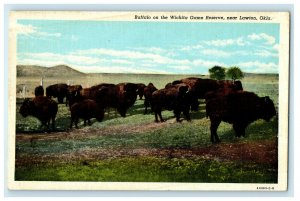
140 90
238 108
148 90
57 90
174 98
198 87
42 108
86 109
120 96
73 90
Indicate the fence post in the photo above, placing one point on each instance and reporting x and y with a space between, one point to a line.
24 91
42 82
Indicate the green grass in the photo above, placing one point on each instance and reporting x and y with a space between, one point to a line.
150 169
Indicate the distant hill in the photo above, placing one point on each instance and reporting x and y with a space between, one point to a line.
55 71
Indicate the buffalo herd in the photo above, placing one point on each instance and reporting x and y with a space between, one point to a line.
225 101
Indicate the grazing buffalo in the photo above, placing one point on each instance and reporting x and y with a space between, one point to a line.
86 109
57 90
238 108
198 87
148 90
140 90
120 96
42 108
174 98
39 91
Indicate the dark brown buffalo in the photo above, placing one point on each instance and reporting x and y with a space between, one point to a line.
86 109
173 98
127 93
39 91
120 96
73 90
198 87
140 90
238 108
57 90
42 108
201 86
148 90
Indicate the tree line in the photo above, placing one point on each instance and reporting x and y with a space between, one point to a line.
220 73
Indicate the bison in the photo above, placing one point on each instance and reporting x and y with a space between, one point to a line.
238 108
148 90
120 96
86 109
198 87
140 90
73 90
42 108
57 90
173 98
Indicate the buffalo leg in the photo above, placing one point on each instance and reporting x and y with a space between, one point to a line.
156 118
239 130
76 123
146 104
89 122
213 129
161 119
60 99
187 115
177 115
72 120
53 123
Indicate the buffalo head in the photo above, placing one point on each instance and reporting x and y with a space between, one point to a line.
268 109
39 91
238 85
27 107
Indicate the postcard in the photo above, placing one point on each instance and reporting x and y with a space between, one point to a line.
179 101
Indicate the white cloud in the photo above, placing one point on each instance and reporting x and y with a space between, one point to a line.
226 42
269 40
48 57
181 67
24 29
124 54
220 42
276 47
200 62
265 53
117 69
259 67
133 55
120 61
191 47
29 30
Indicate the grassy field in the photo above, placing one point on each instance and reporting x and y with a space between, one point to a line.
136 148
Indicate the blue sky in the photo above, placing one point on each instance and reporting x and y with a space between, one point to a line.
148 47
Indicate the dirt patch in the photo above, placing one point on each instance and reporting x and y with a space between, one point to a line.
92 132
263 152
